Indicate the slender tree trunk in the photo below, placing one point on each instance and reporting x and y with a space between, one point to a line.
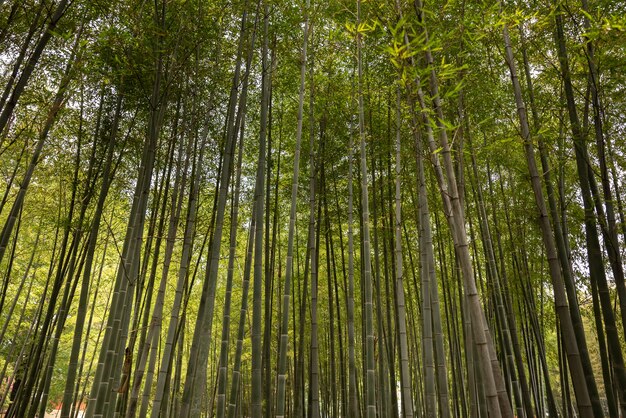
195 380
234 218
116 335
368 313
594 251
606 218
47 328
157 314
87 269
560 299
57 104
284 325
407 404
270 246
313 251
257 372
237 363
353 404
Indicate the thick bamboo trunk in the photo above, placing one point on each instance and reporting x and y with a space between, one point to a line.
366 277
259 188
286 298
407 402
196 379
560 299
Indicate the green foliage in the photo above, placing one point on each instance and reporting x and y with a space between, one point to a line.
190 46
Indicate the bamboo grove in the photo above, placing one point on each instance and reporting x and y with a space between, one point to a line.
269 208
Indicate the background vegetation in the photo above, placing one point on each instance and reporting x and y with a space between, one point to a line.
366 208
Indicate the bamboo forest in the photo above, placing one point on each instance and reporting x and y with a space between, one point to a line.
312 208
